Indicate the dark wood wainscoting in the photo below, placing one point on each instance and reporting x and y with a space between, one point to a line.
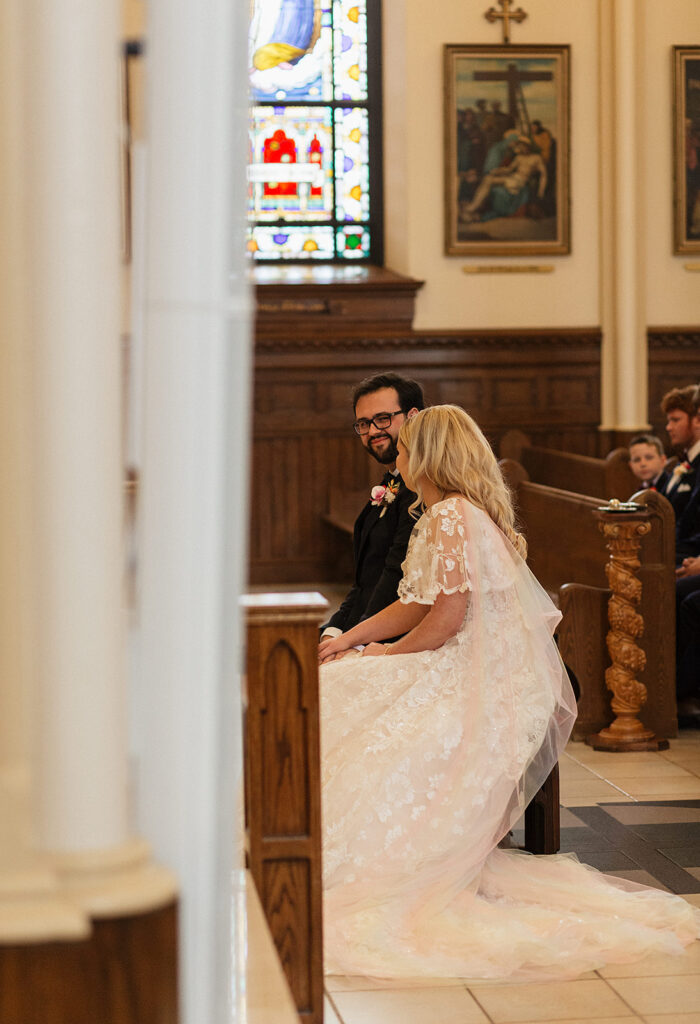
124 973
545 382
674 361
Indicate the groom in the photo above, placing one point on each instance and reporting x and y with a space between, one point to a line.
381 404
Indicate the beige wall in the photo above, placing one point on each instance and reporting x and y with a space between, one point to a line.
672 293
413 126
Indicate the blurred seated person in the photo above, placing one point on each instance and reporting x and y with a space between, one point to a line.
684 487
680 408
647 462
688 642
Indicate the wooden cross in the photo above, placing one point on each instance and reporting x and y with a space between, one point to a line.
514 78
505 14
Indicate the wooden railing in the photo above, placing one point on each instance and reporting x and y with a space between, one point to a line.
610 477
566 552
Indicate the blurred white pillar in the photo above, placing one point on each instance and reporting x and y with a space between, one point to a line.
80 748
74 237
193 501
30 903
623 231
15 456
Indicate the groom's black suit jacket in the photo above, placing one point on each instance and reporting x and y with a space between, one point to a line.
380 543
688 519
679 496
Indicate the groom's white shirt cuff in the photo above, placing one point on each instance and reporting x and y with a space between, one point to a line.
333 632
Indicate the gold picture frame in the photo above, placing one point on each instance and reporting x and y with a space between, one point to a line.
507 150
686 149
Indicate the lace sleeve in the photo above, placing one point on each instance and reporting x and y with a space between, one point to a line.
436 562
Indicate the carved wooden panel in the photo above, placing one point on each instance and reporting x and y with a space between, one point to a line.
283 784
674 361
582 632
285 740
287 903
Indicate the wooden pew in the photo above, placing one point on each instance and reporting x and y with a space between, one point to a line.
343 509
567 554
610 477
283 783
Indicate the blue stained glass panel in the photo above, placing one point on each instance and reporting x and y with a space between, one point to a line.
289 47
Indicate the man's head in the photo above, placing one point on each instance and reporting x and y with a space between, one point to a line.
647 457
695 421
679 408
392 399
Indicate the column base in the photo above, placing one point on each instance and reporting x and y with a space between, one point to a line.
53 897
33 910
115 882
607 740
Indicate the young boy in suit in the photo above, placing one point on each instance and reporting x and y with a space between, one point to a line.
647 461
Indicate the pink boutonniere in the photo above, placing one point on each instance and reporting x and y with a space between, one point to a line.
384 495
682 468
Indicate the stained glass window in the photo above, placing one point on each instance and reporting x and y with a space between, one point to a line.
314 174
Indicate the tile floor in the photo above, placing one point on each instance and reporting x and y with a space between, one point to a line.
635 815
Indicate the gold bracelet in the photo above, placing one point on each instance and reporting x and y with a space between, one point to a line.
386 648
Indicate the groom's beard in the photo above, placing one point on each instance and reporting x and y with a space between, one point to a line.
387 455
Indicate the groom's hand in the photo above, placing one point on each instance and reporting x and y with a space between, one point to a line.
331 647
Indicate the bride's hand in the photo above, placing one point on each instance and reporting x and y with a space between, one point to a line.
374 649
352 652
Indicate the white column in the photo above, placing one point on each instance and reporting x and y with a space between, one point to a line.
74 237
193 500
30 906
14 407
623 226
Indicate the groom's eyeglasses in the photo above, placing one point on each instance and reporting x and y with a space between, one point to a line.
380 421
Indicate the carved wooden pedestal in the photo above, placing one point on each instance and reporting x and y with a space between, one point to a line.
283 784
623 531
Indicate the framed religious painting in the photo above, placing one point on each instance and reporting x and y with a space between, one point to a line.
686 149
506 150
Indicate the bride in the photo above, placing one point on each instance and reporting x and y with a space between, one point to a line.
433 745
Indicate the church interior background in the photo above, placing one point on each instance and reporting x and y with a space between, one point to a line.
140 342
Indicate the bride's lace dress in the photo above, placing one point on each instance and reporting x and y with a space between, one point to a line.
427 761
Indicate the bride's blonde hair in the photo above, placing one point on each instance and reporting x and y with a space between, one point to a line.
445 445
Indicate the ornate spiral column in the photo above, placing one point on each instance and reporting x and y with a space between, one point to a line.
623 529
